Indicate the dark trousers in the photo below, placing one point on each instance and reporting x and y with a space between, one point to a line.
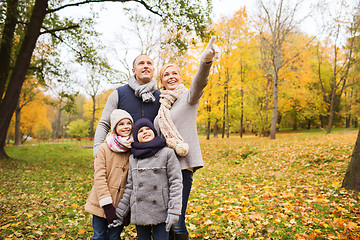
155 232
180 226
102 232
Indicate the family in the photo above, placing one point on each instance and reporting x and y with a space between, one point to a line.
146 151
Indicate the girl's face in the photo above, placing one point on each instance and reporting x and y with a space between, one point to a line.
124 127
171 78
145 134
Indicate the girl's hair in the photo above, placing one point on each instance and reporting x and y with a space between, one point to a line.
163 68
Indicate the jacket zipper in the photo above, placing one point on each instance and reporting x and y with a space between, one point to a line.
142 110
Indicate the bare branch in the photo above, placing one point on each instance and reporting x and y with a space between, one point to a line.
142 2
60 29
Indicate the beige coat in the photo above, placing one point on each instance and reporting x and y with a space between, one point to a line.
110 177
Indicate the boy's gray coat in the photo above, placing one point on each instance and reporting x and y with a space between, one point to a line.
154 188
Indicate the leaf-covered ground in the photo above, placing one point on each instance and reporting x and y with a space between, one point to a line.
250 188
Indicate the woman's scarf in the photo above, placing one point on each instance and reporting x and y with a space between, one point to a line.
148 149
117 143
166 124
144 91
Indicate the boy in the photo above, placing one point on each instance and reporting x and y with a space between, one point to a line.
154 188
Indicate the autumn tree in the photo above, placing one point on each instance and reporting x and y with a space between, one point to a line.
35 118
40 17
97 72
341 55
301 102
225 84
276 21
351 179
27 95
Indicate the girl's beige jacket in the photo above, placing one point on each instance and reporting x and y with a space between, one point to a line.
110 176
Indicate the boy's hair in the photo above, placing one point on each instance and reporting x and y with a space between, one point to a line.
142 123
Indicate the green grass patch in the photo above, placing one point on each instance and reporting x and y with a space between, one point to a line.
249 188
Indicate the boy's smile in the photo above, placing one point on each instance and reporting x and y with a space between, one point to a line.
145 134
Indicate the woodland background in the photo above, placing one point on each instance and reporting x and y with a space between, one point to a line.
298 88
271 76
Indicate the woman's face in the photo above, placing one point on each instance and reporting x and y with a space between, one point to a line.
171 78
124 127
145 134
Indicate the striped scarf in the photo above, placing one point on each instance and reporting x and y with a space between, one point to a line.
117 143
173 138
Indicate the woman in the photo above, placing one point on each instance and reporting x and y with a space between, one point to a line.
176 121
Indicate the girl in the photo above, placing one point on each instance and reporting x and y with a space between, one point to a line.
111 169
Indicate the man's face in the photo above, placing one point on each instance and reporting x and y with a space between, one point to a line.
143 69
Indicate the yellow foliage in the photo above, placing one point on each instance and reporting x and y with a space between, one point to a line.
35 117
99 106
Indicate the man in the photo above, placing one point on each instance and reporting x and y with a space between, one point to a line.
139 97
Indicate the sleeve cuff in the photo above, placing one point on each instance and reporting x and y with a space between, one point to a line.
105 201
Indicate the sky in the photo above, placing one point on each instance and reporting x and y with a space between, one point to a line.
112 22
112 17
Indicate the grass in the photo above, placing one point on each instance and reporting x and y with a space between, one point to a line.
250 188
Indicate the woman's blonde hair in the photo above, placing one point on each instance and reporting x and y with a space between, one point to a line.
162 70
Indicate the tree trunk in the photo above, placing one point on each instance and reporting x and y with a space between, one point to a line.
351 180
295 121
348 121
7 42
224 118
93 117
275 107
58 122
18 135
208 129
8 104
332 113
227 104
242 113
216 128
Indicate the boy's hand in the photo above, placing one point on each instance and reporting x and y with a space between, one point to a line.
115 223
171 220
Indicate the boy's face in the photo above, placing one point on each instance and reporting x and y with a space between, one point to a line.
124 127
145 134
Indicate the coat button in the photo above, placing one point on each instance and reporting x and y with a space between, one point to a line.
155 187
139 199
140 185
155 171
154 201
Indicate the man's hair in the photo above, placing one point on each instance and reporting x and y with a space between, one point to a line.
142 54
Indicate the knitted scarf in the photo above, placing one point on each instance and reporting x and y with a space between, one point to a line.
144 91
148 149
166 124
117 143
